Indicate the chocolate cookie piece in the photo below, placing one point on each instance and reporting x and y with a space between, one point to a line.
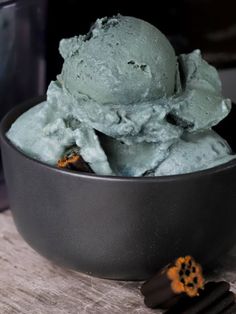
73 160
172 283
214 299
230 309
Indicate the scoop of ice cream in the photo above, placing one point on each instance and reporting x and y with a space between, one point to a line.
130 106
195 151
121 60
47 130
200 105
192 152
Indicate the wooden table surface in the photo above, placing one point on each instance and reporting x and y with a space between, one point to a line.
30 284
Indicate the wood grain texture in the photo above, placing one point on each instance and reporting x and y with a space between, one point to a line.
30 284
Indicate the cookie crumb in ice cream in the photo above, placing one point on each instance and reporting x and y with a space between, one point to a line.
73 162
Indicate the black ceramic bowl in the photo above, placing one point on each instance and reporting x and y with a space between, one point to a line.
118 227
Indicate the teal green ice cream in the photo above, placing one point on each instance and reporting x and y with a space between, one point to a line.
119 63
130 105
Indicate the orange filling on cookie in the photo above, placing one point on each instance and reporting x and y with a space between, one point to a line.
186 276
67 161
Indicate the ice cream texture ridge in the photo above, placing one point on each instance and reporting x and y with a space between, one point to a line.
129 105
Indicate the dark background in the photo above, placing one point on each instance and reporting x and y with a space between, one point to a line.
206 24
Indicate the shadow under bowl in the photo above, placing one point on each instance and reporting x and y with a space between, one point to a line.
118 227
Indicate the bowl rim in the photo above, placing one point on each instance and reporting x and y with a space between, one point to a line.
6 3
15 112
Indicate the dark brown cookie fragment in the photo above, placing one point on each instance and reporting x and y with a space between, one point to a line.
172 283
214 299
73 160
230 309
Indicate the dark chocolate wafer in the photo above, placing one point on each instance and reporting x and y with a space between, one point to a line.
221 304
212 300
230 309
168 286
